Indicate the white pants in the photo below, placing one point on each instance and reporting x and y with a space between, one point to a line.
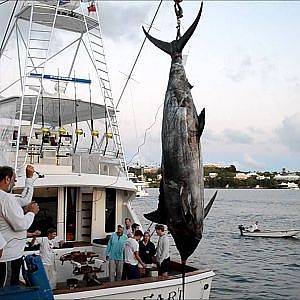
51 274
115 269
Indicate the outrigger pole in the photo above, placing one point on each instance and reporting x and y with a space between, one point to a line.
138 55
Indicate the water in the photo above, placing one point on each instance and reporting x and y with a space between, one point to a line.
245 267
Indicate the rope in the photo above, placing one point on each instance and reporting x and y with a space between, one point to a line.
183 279
179 15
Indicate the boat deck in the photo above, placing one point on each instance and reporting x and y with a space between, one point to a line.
175 272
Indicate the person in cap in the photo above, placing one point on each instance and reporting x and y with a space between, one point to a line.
115 253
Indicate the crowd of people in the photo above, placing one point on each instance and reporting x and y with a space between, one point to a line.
131 253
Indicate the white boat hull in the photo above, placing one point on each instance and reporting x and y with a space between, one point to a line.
197 286
272 233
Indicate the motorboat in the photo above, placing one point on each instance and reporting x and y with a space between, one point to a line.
269 233
72 138
140 185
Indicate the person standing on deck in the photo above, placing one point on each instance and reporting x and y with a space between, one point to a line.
132 257
47 254
14 223
147 251
128 230
162 251
134 227
115 253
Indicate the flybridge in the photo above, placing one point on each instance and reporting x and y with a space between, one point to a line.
61 78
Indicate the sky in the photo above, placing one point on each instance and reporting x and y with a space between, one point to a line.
243 61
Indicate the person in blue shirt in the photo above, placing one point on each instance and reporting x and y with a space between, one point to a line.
115 253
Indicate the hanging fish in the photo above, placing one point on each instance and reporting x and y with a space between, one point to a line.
181 199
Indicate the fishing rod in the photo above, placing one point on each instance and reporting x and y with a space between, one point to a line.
150 226
106 138
93 132
43 127
61 130
77 131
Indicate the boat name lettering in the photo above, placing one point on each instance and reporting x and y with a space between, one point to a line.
173 295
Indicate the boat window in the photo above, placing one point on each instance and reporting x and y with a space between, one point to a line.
110 210
71 214
47 216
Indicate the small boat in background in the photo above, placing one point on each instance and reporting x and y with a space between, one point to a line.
140 185
269 233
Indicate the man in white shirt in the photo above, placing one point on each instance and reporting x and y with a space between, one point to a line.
14 223
128 230
47 254
162 251
132 258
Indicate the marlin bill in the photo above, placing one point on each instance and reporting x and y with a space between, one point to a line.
181 199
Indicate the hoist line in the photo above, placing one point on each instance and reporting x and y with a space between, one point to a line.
138 55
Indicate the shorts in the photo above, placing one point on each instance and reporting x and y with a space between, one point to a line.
164 266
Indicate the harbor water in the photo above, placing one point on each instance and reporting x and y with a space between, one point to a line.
245 267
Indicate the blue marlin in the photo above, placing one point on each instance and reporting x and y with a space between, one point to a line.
181 199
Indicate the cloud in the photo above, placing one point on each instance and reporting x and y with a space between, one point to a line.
237 136
294 82
131 17
255 130
289 132
210 135
240 72
248 66
250 162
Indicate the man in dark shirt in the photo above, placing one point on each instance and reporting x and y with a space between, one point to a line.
147 251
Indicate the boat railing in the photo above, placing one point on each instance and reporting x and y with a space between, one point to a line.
81 162
71 5
95 163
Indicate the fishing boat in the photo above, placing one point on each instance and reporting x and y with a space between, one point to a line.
269 233
62 119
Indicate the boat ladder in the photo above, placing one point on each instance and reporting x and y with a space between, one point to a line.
97 55
41 27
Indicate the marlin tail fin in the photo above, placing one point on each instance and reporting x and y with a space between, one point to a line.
177 45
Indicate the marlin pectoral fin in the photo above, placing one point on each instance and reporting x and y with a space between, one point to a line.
201 119
157 215
209 204
164 46
154 216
